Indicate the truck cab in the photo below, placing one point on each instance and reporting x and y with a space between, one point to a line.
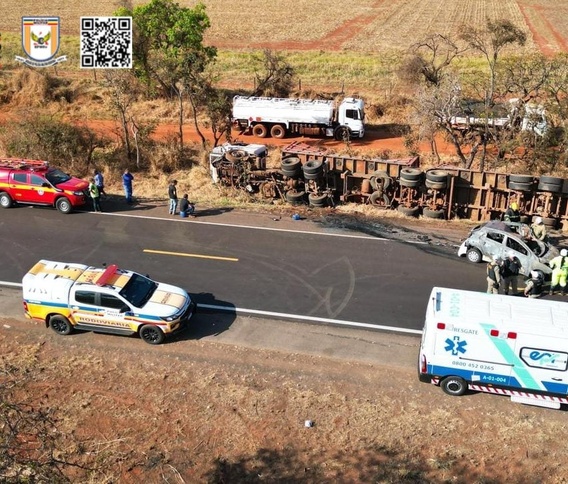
351 114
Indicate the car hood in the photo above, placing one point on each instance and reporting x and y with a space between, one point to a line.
167 301
72 185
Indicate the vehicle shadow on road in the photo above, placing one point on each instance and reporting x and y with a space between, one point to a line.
212 318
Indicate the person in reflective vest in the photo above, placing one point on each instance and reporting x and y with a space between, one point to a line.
559 267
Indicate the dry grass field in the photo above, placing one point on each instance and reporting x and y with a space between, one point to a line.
366 26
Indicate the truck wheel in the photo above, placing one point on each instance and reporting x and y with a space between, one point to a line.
318 201
64 205
380 199
278 131
473 255
151 334
404 182
454 386
437 176
60 324
428 213
409 211
236 155
312 167
5 200
295 197
341 133
411 174
259 130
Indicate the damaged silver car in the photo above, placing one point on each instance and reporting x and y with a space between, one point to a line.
498 239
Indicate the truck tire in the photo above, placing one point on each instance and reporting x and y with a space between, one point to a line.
408 211
235 155
437 176
318 201
380 175
436 185
60 324
295 197
342 133
454 386
380 200
521 178
151 334
548 187
521 187
438 214
409 183
5 200
312 167
259 130
64 205
411 174
278 131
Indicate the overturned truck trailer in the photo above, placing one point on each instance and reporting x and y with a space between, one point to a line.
313 176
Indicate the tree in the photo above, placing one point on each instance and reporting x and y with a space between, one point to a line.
490 42
276 78
429 60
168 49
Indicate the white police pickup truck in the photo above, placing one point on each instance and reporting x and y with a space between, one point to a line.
67 296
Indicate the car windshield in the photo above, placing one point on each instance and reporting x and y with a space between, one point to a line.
138 290
55 177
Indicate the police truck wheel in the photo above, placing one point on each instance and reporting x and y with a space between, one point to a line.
454 386
151 334
278 131
473 255
64 205
60 324
5 200
259 130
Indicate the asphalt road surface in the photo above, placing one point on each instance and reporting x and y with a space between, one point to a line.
276 268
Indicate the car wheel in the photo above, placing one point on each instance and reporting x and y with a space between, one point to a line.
60 324
474 255
64 205
152 334
454 386
5 200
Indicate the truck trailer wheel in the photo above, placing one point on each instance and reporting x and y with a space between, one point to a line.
454 386
5 200
64 205
259 130
60 324
278 131
152 334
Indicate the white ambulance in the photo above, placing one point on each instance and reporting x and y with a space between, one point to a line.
506 345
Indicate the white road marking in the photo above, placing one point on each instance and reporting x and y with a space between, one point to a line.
352 324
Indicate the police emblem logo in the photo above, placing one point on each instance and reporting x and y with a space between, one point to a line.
40 40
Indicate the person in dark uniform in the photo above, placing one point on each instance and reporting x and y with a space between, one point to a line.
512 214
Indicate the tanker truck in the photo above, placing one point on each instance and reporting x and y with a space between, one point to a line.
278 117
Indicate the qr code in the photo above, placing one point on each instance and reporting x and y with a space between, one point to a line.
106 42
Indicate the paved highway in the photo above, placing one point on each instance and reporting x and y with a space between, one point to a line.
224 259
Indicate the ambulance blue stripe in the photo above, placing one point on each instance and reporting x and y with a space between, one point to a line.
518 366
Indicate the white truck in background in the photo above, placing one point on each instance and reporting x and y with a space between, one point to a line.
504 345
529 117
278 117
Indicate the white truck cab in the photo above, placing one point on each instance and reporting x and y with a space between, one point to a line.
351 113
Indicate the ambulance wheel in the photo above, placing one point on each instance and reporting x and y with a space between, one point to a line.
454 386
151 334
5 200
60 324
64 205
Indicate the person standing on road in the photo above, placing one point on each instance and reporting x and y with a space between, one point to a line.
533 287
95 195
100 182
127 184
559 267
172 194
512 214
494 277
510 273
